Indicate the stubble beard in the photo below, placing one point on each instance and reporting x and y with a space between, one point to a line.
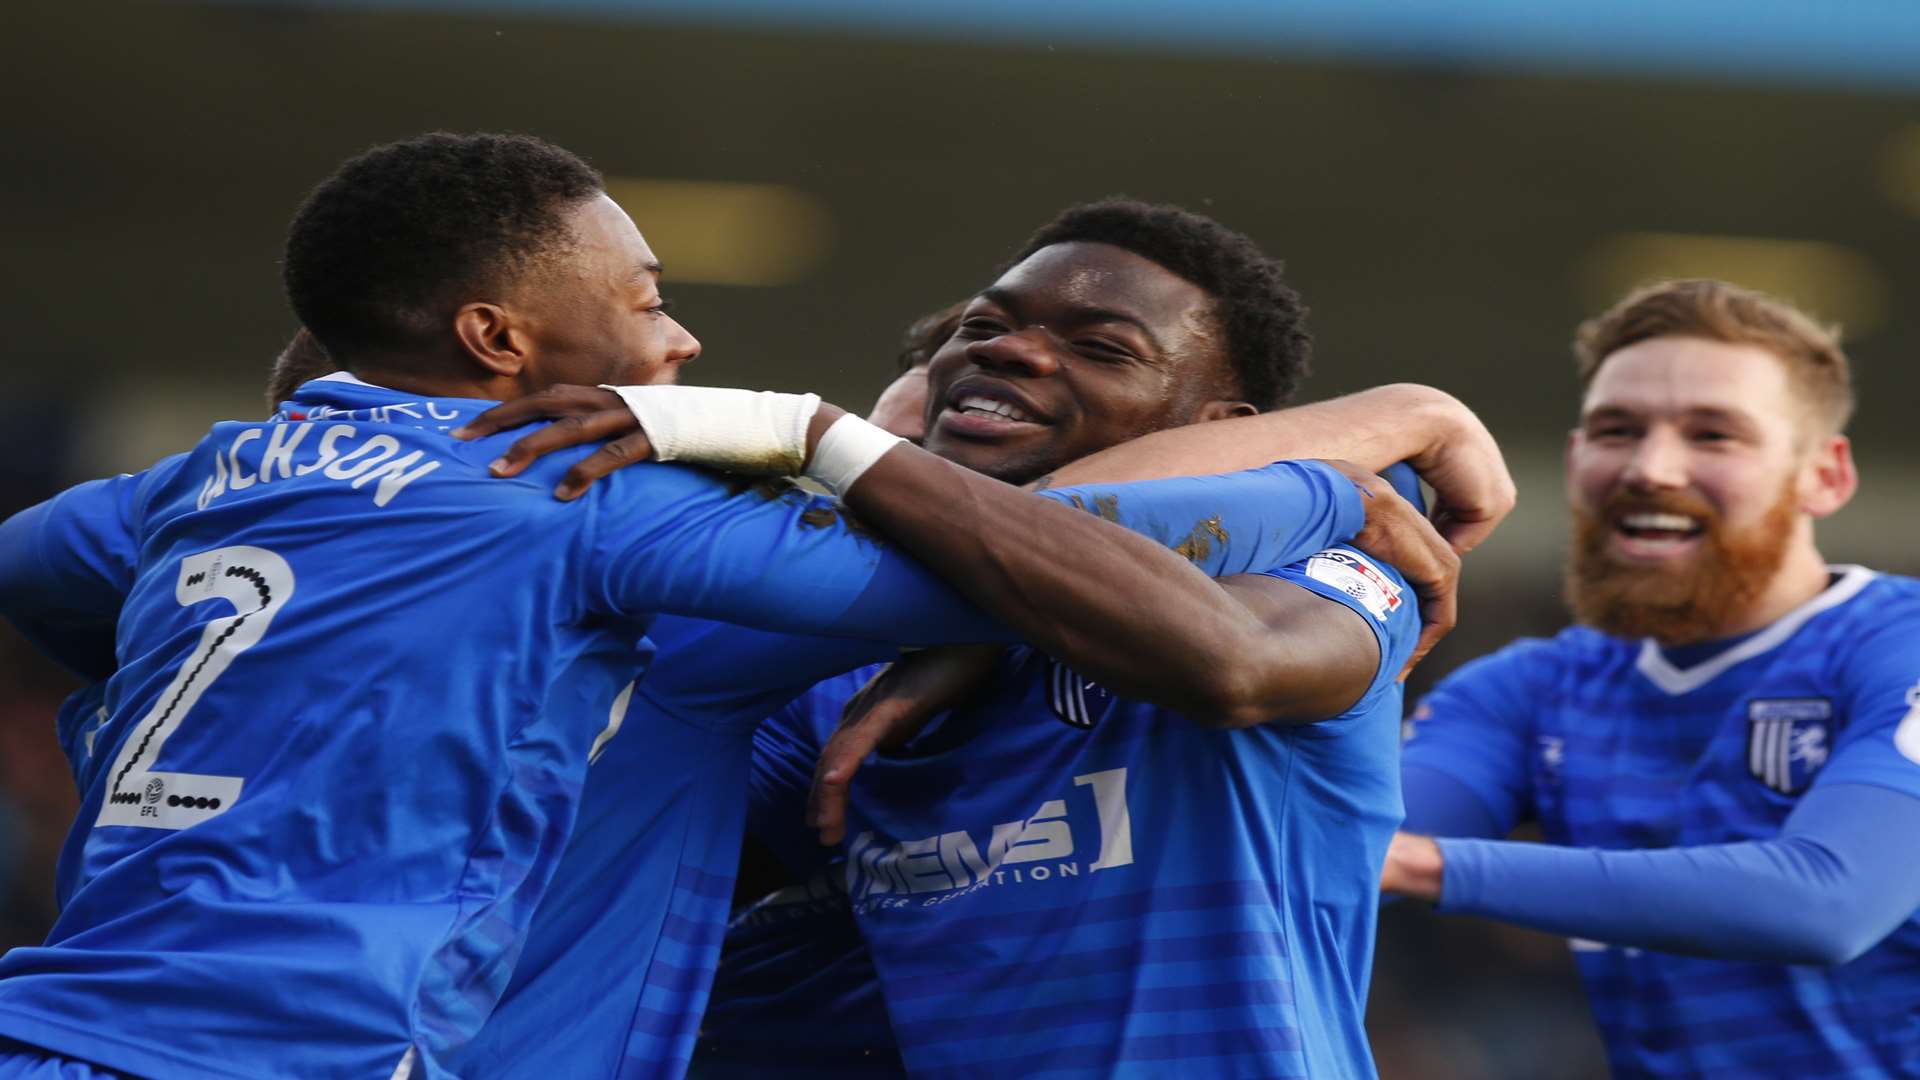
1695 600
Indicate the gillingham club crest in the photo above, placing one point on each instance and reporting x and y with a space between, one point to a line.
1788 739
1075 700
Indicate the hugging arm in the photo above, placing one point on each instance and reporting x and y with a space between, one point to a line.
1429 429
1123 608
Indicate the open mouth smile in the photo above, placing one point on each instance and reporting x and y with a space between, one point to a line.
986 412
1656 535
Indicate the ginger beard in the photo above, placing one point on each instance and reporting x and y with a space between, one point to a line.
1689 601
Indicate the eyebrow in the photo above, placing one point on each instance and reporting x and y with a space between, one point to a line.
1005 298
1698 412
640 272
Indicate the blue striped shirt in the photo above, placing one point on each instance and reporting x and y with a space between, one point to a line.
1058 882
1617 744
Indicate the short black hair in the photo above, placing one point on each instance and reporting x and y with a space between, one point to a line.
1264 320
383 252
927 334
303 360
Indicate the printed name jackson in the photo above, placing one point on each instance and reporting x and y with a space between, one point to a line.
338 453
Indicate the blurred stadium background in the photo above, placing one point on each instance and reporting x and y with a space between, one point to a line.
1454 185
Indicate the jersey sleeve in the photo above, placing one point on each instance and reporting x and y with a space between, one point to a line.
1476 727
66 566
672 539
1233 523
785 748
1827 889
1880 679
1377 593
726 677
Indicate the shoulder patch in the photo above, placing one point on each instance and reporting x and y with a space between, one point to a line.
1356 575
1906 737
1068 693
1787 741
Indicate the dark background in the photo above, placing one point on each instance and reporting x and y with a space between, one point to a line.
1450 212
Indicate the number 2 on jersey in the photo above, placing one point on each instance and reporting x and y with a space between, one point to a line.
257 583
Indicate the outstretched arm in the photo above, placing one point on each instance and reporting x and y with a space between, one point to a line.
1828 888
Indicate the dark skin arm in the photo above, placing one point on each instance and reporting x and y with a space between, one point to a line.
1327 646
1228 653
1172 636
1431 430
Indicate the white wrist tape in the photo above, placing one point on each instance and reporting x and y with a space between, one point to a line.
848 449
756 432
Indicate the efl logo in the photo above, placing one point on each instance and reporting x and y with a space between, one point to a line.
1353 574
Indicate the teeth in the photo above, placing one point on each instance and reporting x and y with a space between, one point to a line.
981 404
1661 522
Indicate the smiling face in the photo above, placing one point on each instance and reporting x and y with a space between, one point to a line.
1079 347
1694 478
597 315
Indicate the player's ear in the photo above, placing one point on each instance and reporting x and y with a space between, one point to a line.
1827 478
1222 410
488 335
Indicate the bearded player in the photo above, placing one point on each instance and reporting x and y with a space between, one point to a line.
1725 756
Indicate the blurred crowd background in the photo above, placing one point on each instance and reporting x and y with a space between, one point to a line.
1453 185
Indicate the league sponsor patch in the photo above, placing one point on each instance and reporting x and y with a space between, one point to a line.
1354 574
1787 741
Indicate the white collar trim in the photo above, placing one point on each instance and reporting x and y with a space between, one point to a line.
346 377
1662 673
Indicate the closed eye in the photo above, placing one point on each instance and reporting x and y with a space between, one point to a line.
981 327
1102 349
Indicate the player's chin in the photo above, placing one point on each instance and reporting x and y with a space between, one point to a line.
1010 460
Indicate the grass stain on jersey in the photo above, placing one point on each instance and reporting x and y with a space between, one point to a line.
1199 543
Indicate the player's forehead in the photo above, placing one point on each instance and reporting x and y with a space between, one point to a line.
1090 278
607 243
1670 377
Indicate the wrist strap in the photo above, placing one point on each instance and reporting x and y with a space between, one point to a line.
848 449
757 432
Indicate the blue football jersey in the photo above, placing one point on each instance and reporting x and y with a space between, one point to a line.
615 970
796 994
1617 744
357 683
614 975
796 989
1055 881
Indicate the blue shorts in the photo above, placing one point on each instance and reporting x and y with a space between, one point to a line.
18 1061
